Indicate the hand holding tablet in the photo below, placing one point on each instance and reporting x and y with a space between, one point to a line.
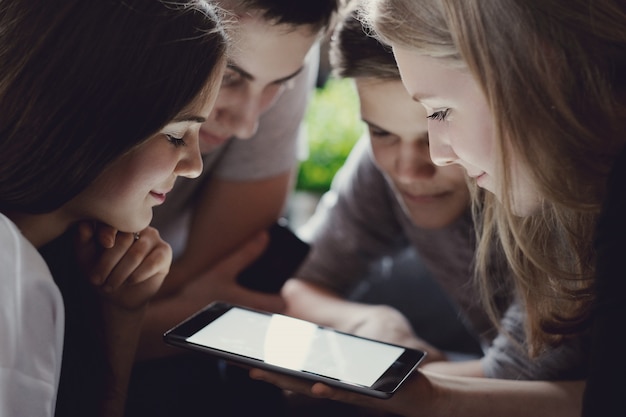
298 348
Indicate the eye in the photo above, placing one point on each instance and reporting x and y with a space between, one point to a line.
231 78
439 115
382 137
378 132
177 142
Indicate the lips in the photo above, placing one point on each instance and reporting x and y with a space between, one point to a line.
480 178
160 197
423 198
474 175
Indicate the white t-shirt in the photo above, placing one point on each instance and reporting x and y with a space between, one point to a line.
32 321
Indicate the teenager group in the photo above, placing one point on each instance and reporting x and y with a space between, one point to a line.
493 131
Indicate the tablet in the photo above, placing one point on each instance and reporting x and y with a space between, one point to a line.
295 347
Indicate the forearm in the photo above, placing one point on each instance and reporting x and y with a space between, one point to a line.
121 331
162 315
312 302
223 220
478 397
381 322
471 368
320 305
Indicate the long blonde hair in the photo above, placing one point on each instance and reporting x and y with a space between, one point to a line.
551 73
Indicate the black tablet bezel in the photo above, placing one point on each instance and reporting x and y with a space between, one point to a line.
384 387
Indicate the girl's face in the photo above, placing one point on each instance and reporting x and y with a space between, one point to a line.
432 196
124 194
460 126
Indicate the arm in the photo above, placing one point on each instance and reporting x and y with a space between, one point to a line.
127 273
434 395
315 303
218 283
227 214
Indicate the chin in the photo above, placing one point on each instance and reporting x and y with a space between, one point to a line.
433 221
133 224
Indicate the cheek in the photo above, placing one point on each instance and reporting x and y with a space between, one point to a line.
270 95
383 157
471 142
226 97
480 137
454 175
136 174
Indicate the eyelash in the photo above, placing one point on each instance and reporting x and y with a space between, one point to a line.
177 142
439 115
379 133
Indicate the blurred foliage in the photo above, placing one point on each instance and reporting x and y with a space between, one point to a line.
333 125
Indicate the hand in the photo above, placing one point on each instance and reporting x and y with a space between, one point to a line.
220 282
410 399
127 271
385 323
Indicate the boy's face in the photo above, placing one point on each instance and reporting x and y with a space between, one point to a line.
264 59
432 196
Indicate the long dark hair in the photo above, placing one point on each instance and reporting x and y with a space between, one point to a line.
83 82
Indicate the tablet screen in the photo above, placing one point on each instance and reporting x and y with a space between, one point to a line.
298 345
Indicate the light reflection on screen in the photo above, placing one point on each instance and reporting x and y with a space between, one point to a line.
298 345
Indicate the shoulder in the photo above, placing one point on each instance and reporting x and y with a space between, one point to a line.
32 322
24 272
10 239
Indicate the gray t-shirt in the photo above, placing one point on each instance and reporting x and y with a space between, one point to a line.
360 220
273 150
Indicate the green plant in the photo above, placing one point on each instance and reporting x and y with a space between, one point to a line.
332 125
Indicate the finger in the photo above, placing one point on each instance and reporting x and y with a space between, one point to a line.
106 235
86 249
110 259
158 261
85 232
324 391
282 381
133 296
316 390
146 257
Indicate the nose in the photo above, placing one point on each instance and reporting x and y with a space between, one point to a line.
245 119
413 162
190 164
246 111
441 153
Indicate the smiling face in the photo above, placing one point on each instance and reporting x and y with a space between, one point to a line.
123 195
461 129
432 196
264 60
